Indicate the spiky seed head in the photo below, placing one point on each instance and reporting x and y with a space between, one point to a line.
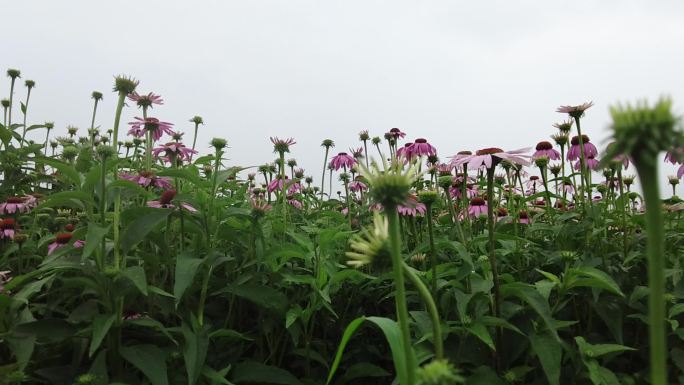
30 84
438 372
197 120
69 152
219 143
542 161
125 84
370 243
642 132
49 125
328 143
391 185
105 152
5 103
376 140
13 73
428 197
72 130
96 95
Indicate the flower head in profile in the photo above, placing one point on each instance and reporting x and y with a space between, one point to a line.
328 143
148 179
411 207
492 156
477 207
174 150
370 243
8 228
342 160
395 133
125 84
419 148
259 207
575 111
15 204
156 127
61 240
145 100
564 127
545 148
165 202
357 185
575 151
282 146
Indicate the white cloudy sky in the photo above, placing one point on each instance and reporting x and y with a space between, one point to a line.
463 74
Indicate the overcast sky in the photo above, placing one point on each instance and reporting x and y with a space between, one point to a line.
462 74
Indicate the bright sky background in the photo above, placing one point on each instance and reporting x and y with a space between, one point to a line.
462 74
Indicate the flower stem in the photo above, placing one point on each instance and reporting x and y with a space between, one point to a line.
203 296
92 125
656 267
433 254
492 253
117 200
431 308
325 164
25 112
400 295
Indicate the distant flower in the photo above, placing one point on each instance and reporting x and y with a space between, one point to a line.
174 150
145 100
523 217
278 183
421 148
568 187
575 152
675 156
564 127
396 133
680 171
282 145
259 207
357 186
546 149
404 151
342 160
148 179
165 200
590 163
411 207
575 111
356 152
60 240
8 228
15 204
156 127
363 135
488 156
533 183
477 207
295 203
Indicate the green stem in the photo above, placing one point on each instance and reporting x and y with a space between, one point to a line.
325 166
656 267
203 296
25 112
400 294
583 170
92 125
433 254
492 253
117 200
431 308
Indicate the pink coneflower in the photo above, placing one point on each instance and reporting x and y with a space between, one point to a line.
148 179
411 207
165 199
15 204
545 149
356 152
61 239
591 163
444 169
282 145
342 160
175 150
680 171
420 148
145 100
523 217
4 279
575 111
8 228
404 152
575 152
488 156
456 190
477 207
533 183
259 206
396 133
568 187
357 186
295 203
156 127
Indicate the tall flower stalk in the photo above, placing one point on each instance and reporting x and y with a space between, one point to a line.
197 120
13 74
97 96
327 143
642 132
30 84
576 112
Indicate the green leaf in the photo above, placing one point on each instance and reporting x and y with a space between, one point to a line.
194 351
250 371
481 332
532 297
263 296
93 239
65 169
147 218
35 127
549 352
150 360
137 275
186 268
101 325
594 351
592 277
393 336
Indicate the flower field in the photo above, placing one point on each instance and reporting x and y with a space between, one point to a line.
127 256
